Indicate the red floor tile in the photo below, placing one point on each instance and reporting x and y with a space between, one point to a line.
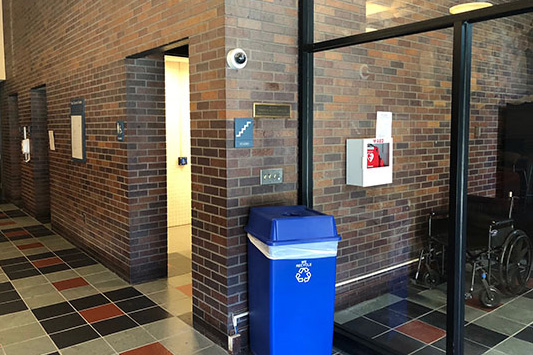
422 331
151 349
47 262
30 246
186 289
16 233
6 223
99 313
71 283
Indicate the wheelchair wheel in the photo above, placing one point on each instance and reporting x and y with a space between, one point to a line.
516 262
490 298
431 278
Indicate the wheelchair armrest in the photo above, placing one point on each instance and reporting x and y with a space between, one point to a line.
502 224
438 214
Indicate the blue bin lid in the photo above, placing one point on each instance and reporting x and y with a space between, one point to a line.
290 224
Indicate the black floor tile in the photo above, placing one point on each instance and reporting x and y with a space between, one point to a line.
18 267
20 237
54 268
6 286
398 341
9 296
3 239
529 295
526 334
483 335
388 317
150 315
82 262
408 308
12 307
39 231
436 319
74 256
64 252
57 324
89 302
53 310
12 261
135 304
74 336
470 347
41 256
23 274
429 350
365 327
15 213
122 294
114 325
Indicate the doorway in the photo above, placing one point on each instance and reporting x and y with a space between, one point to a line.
178 138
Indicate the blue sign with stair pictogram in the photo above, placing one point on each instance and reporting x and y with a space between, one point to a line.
244 133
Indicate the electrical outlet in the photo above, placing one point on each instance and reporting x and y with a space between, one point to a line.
271 176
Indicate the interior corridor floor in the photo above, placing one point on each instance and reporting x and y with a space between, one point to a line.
413 321
55 299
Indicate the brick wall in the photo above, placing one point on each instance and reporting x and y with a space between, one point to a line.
113 205
146 180
267 31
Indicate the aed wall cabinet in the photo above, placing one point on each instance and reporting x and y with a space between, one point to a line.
369 161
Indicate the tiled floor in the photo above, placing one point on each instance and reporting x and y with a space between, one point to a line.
414 322
55 299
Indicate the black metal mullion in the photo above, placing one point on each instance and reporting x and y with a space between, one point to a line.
456 255
305 102
490 13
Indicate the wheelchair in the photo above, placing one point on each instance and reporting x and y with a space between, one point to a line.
496 251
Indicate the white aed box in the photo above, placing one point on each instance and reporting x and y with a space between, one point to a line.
369 161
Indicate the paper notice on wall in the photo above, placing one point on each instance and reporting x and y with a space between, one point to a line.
51 140
384 124
77 136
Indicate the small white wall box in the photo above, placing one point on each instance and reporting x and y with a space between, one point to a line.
369 161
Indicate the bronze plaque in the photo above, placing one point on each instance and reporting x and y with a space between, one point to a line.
272 110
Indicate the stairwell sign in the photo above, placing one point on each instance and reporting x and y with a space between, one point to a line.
244 132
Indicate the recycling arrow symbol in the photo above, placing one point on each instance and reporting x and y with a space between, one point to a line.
303 275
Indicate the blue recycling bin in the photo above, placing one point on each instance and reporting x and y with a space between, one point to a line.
292 253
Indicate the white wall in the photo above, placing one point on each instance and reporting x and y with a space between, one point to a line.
178 140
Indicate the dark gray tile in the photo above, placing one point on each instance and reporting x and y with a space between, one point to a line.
135 304
74 336
409 309
53 310
526 334
89 302
470 347
57 324
12 307
122 294
365 327
150 315
398 341
388 317
114 325
483 336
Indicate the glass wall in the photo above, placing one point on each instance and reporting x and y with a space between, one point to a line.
391 273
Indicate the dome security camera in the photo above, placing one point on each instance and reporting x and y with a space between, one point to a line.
237 58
